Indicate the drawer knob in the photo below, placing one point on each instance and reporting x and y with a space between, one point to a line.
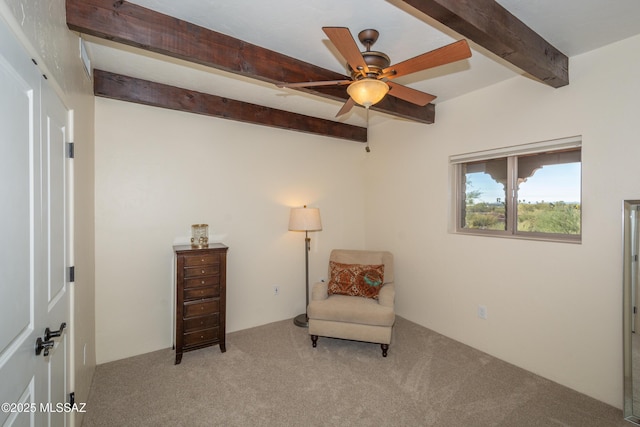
202 282
202 260
202 271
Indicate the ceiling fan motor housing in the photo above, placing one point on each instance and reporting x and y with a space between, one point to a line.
376 61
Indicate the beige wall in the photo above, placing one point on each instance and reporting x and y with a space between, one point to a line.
553 308
41 26
159 171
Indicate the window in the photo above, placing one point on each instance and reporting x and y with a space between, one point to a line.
528 191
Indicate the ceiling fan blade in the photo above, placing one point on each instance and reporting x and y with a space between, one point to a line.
346 107
444 55
321 83
410 95
343 41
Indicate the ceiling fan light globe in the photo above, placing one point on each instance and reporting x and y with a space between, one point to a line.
368 91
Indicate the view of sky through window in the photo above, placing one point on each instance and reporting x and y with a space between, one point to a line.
552 183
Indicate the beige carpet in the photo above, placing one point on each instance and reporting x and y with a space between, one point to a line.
271 376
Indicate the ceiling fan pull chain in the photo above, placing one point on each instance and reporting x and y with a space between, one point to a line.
367 149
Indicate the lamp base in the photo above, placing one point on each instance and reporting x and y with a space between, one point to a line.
301 320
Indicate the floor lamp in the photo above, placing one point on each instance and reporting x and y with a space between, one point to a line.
305 219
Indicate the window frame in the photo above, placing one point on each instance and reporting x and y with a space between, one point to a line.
511 200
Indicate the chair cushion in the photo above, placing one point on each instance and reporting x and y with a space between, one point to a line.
344 308
355 279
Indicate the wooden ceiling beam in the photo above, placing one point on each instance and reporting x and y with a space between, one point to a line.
491 26
133 25
130 89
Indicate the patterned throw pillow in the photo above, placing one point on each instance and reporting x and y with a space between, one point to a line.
356 279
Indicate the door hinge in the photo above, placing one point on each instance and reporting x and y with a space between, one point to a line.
70 150
72 398
72 274
635 309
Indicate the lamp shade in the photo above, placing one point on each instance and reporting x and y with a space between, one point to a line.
368 91
305 219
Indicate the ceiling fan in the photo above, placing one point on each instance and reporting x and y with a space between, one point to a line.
371 72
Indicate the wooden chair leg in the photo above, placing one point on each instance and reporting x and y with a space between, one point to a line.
385 348
314 340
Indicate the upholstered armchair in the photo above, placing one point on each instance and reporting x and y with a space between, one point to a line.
357 301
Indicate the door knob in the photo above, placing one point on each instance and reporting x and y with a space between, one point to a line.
48 333
43 345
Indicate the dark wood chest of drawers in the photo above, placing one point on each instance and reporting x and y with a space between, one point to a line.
200 297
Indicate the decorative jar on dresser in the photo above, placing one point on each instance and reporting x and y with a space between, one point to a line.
201 275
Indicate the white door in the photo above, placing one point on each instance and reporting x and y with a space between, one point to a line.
55 231
34 292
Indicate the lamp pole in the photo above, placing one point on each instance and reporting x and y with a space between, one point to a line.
304 219
302 320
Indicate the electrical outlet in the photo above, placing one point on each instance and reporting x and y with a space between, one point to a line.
482 312
276 290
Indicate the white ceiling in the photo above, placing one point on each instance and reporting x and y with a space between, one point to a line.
294 28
